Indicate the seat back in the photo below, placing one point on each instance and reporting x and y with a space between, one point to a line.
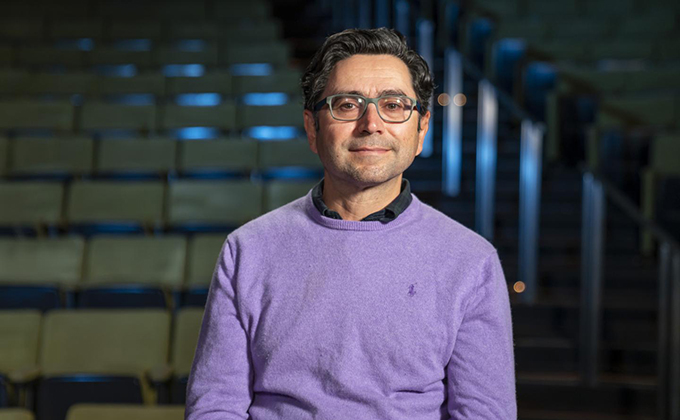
279 192
124 411
203 253
218 155
36 156
41 261
19 339
33 202
136 155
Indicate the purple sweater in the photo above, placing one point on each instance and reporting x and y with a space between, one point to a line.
316 318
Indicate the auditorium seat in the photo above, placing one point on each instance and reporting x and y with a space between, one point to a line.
33 272
288 153
211 82
34 203
221 116
276 53
101 356
16 414
103 116
11 80
136 156
19 335
145 83
51 156
185 338
41 57
116 56
57 84
278 115
4 154
168 54
129 205
663 173
284 80
125 411
219 205
6 56
56 116
135 28
132 271
202 259
21 30
279 192
241 10
222 155
564 9
92 28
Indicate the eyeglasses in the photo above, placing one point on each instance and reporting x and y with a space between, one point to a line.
349 107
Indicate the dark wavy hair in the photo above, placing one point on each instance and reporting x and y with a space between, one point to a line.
365 41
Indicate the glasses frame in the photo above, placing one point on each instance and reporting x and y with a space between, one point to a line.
327 101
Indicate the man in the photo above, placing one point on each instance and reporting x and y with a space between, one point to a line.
357 301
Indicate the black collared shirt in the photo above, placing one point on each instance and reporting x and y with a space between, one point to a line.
389 213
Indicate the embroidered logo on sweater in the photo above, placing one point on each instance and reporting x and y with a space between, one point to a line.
412 290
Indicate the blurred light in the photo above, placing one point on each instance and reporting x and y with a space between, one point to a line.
124 70
253 69
199 99
133 99
460 99
183 70
272 133
197 133
265 99
519 287
82 44
443 99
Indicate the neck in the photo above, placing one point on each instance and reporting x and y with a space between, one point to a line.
355 203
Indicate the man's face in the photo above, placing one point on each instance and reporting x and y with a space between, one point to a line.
369 151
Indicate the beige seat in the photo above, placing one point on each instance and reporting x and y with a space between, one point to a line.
76 28
106 342
279 193
58 84
214 202
154 261
222 116
148 83
11 81
41 261
171 55
252 31
114 56
103 201
275 53
21 29
136 155
4 152
213 82
125 411
6 56
15 414
20 336
32 115
124 28
220 155
282 115
104 116
203 253
33 202
286 81
52 155
185 338
35 56
289 153
240 10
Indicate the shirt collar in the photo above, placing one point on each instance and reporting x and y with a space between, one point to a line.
389 213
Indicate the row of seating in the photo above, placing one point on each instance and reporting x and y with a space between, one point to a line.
656 24
64 116
109 29
78 156
571 9
660 50
198 9
107 356
143 205
16 83
172 261
105 412
224 54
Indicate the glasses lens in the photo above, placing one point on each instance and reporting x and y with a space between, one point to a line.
395 108
347 107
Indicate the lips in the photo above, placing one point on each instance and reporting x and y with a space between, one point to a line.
369 150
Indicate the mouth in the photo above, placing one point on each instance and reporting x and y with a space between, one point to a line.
369 150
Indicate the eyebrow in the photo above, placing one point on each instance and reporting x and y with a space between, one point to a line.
381 93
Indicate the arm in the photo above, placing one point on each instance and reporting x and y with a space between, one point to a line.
220 384
481 372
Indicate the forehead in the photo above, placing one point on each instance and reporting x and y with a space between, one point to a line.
370 75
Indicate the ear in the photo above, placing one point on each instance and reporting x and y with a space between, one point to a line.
310 129
424 126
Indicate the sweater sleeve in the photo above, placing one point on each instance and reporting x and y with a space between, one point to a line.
481 371
220 383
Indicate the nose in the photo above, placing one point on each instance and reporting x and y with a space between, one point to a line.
371 122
